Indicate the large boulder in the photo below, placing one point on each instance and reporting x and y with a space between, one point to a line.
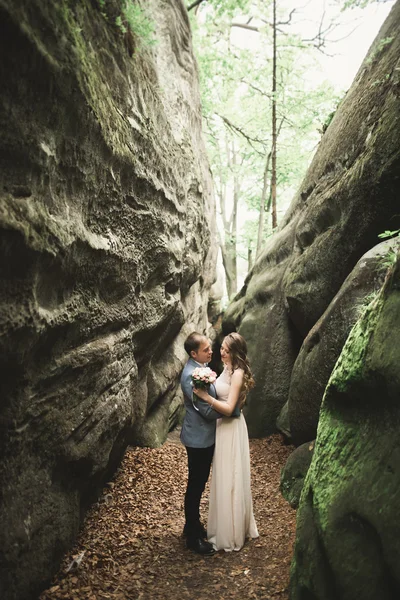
107 255
294 473
324 342
347 540
348 197
260 314
283 425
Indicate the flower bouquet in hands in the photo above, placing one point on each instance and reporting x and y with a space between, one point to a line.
202 378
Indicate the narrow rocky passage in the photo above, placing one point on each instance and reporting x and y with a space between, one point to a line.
131 546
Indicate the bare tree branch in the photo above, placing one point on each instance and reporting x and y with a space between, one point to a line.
257 29
250 139
347 35
194 4
209 130
289 19
320 38
254 87
244 26
281 22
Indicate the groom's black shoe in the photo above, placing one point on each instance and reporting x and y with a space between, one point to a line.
200 546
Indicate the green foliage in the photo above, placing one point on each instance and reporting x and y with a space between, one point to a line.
102 5
388 234
228 8
120 24
236 82
389 259
356 3
133 17
140 23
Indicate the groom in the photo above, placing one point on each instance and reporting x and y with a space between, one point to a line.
198 435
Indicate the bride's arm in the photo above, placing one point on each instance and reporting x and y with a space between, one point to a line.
225 407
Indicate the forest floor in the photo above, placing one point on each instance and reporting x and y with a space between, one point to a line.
131 545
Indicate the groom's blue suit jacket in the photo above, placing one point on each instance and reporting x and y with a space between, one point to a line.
198 429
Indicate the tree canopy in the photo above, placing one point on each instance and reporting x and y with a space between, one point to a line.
259 99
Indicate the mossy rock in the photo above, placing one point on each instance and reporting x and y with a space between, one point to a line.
347 538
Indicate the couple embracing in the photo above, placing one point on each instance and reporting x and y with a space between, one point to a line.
214 431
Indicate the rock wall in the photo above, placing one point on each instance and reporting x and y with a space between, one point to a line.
107 255
324 342
349 196
347 541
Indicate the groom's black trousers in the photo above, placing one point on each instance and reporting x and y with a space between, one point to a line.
199 464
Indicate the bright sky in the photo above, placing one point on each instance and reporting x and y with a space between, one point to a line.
350 40
358 30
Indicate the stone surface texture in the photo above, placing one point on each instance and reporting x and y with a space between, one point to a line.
107 256
347 539
348 197
294 473
323 344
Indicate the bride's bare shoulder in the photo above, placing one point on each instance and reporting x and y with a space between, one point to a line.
238 373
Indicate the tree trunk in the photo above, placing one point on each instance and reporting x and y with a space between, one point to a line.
274 136
233 227
228 242
249 258
229 262
261 217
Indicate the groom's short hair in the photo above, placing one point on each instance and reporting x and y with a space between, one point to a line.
193 342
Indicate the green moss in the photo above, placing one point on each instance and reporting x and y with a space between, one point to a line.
350 364
347 432
96 85
377 49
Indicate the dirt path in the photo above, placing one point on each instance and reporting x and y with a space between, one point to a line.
131 546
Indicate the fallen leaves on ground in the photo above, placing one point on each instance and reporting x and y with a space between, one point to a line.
131 546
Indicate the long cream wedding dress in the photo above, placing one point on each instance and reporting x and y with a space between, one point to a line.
230 515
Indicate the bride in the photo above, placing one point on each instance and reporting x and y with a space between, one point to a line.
230 515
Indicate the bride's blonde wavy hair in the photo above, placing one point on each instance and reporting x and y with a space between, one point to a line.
238 354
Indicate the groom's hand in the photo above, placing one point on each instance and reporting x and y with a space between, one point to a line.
200 393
